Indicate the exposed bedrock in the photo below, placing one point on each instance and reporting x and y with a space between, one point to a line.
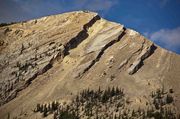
57 57
98 49
28 63
145 52
74 42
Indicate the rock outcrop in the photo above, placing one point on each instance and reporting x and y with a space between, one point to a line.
146 51
25 64
55 57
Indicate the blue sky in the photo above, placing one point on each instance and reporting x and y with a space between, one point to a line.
159 20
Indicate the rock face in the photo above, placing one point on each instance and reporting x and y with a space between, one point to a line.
53 58
30 59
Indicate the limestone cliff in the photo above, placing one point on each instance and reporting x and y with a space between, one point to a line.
55 57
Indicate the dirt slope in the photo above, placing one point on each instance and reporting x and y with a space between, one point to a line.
55 57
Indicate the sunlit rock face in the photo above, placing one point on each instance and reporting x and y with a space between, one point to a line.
55 57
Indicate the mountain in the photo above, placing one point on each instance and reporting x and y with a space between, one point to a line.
55 58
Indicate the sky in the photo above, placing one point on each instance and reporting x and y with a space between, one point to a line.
158 20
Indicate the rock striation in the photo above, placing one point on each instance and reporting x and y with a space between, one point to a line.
25 64
55 57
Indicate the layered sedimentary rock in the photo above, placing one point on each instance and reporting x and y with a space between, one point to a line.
55 57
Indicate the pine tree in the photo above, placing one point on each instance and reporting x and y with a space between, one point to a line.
99 90
117 91
104 96
115 116
45 111
8 117
41 108
133 113
169 99
53 106
22 48
112 92
37 108
109 91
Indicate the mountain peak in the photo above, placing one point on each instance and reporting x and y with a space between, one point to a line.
55 57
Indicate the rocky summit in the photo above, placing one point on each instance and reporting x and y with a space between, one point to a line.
78 65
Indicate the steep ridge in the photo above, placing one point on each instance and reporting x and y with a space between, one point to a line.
55 57
24 70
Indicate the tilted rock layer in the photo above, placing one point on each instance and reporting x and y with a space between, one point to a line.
55 57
